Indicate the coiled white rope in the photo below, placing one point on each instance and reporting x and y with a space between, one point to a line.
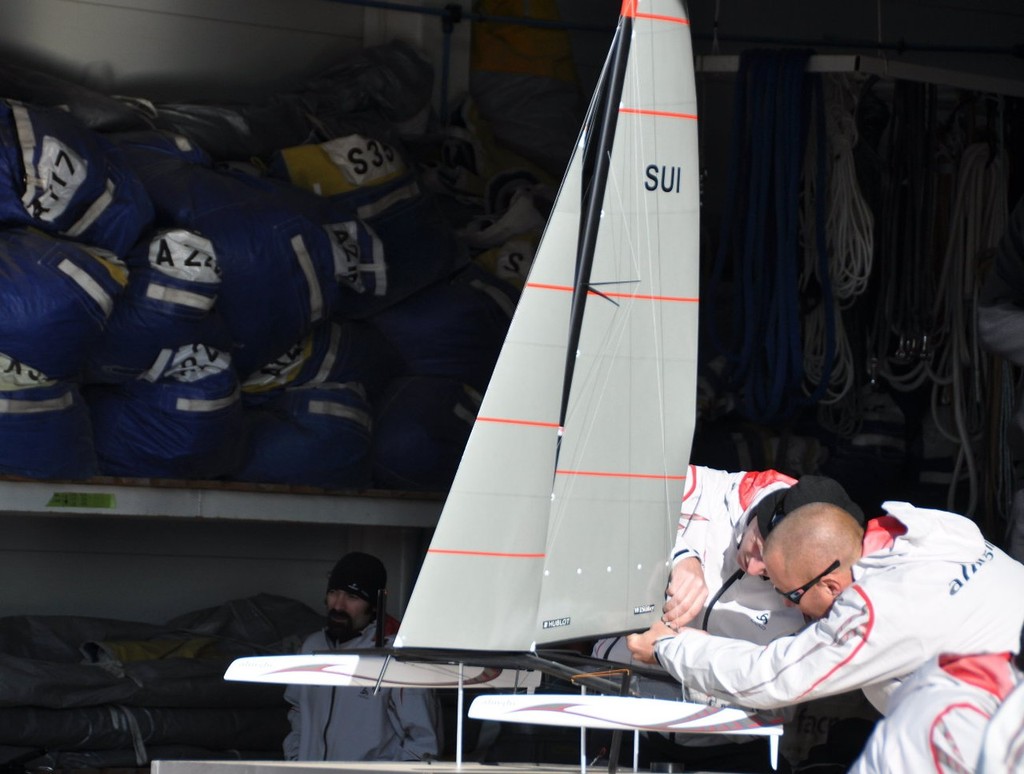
849 234
850 227
977 221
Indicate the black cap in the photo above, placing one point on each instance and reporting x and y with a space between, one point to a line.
360 574
809 489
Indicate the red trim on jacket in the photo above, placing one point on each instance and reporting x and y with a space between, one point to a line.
881 533
864 632
988 671
756 480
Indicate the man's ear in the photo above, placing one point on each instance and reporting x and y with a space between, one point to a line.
834 585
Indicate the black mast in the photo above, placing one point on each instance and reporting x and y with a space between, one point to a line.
596 160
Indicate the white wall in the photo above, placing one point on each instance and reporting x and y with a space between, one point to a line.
230 50
150 569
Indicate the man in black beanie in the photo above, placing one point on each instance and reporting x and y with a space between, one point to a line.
353 588
356 724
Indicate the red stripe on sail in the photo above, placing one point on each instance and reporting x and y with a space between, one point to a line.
629 10
606 474
671 299
526 422
639 297
661 17
502 554
659 113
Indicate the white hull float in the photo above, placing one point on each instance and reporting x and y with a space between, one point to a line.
371 670
628 713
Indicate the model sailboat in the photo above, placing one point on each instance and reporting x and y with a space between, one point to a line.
559 522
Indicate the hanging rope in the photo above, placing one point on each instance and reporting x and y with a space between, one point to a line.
899 337
959 398
758 264
848 245
851 226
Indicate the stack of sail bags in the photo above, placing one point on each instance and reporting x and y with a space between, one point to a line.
309 320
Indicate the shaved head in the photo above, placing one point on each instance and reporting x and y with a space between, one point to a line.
812 536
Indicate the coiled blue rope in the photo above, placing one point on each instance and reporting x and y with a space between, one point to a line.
760 244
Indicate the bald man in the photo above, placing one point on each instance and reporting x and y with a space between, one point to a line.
879 602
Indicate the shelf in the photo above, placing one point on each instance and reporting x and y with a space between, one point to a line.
883 67
145 498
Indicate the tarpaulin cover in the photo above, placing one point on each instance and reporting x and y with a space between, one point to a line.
369 177
420 430
60 176
55 298
454 328
313 435
94 109
345 351
278 275
183 421
45 431
61 689
169 303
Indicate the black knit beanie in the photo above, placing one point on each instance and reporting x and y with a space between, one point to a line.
809 489
360 574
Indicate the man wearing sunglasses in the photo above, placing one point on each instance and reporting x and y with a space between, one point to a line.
880 603
718 582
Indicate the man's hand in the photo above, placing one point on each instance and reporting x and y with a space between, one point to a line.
686 592
642 645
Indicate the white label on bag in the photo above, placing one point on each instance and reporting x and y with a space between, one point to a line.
15 375
184 255
59 174
363 161
345 250
196 361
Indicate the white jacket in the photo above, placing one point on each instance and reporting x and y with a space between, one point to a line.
1002 748
398 724
928 583
937 717
715 511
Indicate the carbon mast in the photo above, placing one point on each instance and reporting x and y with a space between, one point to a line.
596 162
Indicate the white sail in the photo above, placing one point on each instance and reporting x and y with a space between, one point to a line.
558 528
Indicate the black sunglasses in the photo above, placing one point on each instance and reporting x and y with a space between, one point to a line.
795 595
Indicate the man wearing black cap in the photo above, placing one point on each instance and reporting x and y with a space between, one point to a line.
355 724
